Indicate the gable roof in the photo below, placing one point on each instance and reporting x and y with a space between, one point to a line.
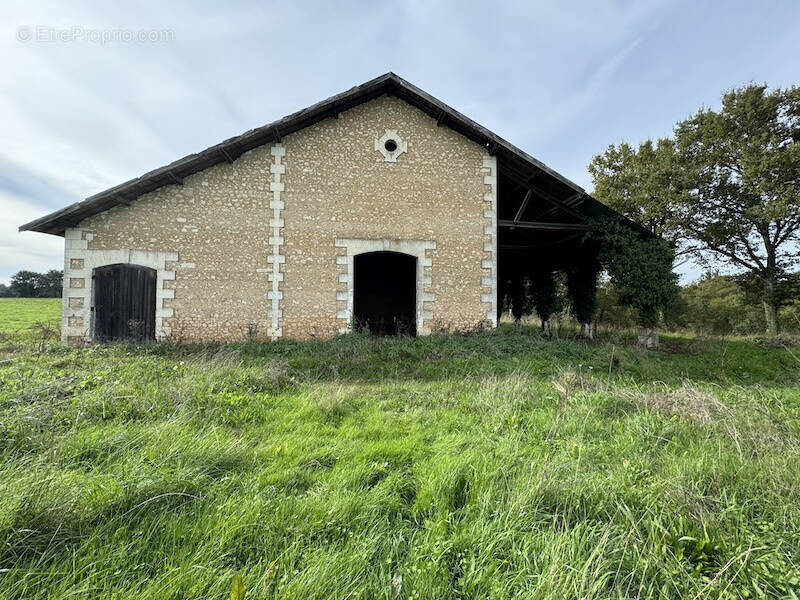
514 159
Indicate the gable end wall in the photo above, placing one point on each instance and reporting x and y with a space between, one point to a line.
251 247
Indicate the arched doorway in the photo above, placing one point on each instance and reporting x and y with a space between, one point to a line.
124 303
385 292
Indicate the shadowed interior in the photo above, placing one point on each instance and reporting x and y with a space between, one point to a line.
385 293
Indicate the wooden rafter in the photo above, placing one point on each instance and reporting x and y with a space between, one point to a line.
226 154
559 204
545 226
174 178
572 201
523 205
546 196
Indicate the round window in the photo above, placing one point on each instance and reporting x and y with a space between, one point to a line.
390 145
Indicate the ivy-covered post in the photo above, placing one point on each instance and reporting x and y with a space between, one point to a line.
517 300
640 267
543 291
582 288
502 295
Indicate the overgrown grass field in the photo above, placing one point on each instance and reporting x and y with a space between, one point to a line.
17 314
491 466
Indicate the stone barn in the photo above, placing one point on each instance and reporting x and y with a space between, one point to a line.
380 207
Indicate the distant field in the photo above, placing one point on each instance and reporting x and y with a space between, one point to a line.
496 465
18 314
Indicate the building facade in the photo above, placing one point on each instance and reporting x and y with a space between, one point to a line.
267 235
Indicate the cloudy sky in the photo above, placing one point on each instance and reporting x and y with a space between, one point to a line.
84 107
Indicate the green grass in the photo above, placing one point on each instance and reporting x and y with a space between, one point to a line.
491 466
18 314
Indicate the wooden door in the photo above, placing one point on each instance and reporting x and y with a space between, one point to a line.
124 303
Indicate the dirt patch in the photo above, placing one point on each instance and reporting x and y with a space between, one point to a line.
685 346
570 382
782 341
686 401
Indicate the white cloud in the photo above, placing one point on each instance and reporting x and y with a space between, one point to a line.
31 251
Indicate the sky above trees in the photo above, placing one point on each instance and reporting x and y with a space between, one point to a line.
82 108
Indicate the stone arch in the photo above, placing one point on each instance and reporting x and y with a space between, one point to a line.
421 249
78 296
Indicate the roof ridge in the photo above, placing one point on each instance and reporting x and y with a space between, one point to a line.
233 147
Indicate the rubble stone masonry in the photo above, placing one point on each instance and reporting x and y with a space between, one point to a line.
261 246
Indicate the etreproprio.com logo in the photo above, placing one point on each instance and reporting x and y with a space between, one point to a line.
78 33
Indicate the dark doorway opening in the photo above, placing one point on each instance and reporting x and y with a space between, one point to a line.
124 303
385 293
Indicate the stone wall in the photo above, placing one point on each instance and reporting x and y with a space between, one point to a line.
338 185
255 247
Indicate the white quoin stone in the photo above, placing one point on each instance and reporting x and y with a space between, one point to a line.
489 265
275 240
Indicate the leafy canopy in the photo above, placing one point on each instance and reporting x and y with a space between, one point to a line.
743 163
641 184
725 188
29 284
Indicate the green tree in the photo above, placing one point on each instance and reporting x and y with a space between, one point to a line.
610 311
5 291
745 164
23 284
640 268
641 183
30 284
51 284
726 188
717 304
544 294
581 283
